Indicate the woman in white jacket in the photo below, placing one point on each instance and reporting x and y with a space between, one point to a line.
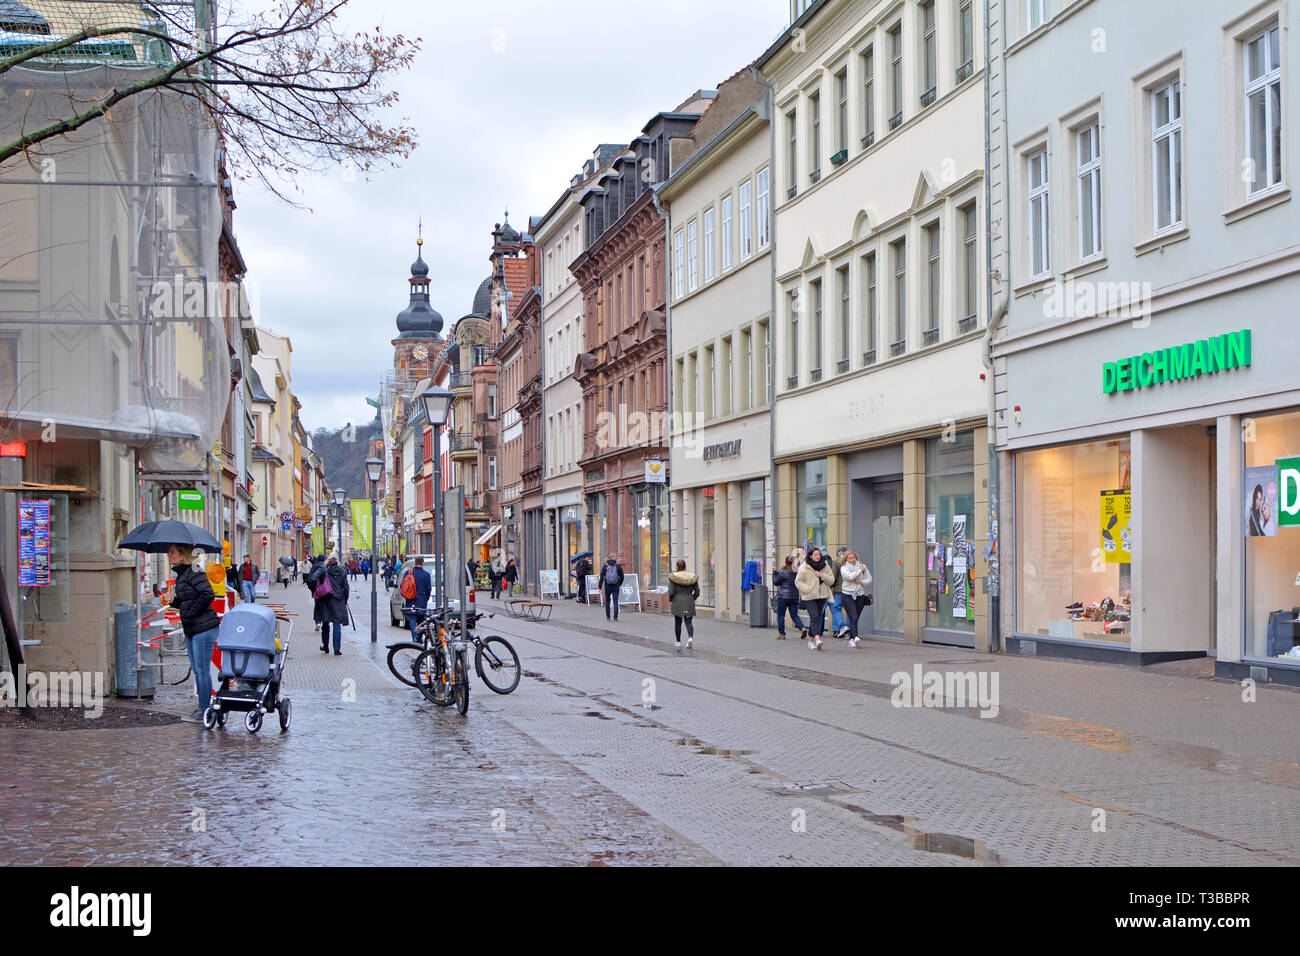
856 588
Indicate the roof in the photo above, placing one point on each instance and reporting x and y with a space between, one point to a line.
255 384
813 9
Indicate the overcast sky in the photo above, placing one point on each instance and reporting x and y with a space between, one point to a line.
497 130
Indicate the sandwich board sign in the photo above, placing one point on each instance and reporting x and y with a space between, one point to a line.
548 583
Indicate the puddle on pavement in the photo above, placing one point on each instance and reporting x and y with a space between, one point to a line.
703 748
595 713
948 843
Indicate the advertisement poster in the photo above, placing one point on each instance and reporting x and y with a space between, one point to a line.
958 563
1259 485
548 583
1116 540
33 543
929 529
932 595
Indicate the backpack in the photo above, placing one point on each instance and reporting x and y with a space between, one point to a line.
408 586
323 587
611 574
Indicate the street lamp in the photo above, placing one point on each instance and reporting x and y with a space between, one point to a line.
437 408
340 496
374 470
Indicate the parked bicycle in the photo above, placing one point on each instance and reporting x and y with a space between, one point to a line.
495 659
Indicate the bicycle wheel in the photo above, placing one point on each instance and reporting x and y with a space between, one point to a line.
428 674
461 684
497 664
401 661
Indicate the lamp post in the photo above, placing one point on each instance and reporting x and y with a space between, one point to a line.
374 470
437 408
340 496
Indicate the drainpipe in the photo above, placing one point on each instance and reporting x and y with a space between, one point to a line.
771 318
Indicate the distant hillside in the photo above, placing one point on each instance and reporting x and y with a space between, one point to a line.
345 461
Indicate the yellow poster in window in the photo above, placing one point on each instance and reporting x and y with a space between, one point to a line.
1116 534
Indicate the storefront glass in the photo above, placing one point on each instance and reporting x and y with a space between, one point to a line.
811 501
950 553
708 548
1271 485
1074 549
753 544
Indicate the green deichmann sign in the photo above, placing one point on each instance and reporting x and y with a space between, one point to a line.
1202 357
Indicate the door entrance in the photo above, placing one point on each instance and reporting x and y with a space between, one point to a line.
883 554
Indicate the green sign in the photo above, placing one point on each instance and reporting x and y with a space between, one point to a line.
1288 492
1202 357
189 501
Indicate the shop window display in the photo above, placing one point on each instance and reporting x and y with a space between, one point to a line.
1075 545
949 531
708 548
1271 489
812 502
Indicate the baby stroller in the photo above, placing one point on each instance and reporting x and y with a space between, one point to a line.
252 664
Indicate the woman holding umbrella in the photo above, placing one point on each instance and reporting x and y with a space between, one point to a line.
193 597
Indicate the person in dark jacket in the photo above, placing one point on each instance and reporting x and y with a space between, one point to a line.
248 575
683 590
193 597
309 582
611 580
232 583
580 571
417 607
332 608
510 575
787 597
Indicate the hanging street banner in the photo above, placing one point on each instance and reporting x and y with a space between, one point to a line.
361 525
317 540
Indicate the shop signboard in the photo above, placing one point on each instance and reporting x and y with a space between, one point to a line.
33 543
1288 492
656 471
1218 353
1116 537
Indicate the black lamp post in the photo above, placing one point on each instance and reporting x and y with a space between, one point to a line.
437 408
374 471
340 498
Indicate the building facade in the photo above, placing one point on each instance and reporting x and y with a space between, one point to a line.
1147 404
880 434
720 295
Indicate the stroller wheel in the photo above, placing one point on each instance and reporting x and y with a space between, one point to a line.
221 718
285 707
209 718
253 721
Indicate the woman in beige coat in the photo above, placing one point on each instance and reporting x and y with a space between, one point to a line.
814 583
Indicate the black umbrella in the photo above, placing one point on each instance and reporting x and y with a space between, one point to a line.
286 561
155 537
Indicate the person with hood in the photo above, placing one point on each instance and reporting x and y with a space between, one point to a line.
248 575
787 595
611 580
683 591
496 571
192 598
510 575
332 607
580 571
857 585
313 564
814 582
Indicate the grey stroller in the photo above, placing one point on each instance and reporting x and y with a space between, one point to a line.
252 665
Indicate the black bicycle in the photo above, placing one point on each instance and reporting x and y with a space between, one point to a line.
495 659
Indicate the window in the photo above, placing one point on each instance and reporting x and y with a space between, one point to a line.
950 497
965 41
1088 146
726 233
970 276
814 137
725 403
764 208
746 222
792 305
1167 155
932 284
1271 545
492 472
899 345
792 155
811 501
1039 237
708 245
842 277
869 309
929 68
1037 13
896 76
1263 111
765 330
679 386
679 270
815 345
492 401
692 256
842 111
867 62
711 362
745 368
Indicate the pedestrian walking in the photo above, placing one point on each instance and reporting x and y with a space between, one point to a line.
415 594
580 571
857 593
496 570
310 583
248 575
232 583
329 583
192 597
611 578
510 576
814 583
838 627
683 591
787 596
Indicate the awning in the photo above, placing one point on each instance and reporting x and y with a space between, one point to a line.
487 535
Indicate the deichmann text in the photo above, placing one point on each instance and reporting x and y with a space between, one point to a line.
1203 357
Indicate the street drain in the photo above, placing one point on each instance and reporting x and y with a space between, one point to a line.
595 713
953 845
